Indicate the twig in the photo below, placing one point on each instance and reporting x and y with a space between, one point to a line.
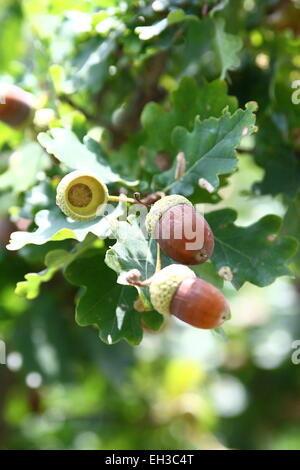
137 197
147 89
91 117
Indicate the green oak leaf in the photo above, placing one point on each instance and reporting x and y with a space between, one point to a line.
291 226
54 261
9 137
30 288
209 49
187 101
86 156
277 157
176 16
281 85
103 302
91 67
227 46
133 250
24 167
255 253
220 5
126 158
209 150
54 225
207 271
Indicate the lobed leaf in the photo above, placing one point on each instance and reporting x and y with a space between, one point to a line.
209 150
87 156
54 261
25 164
187 101
103 302
255 253
54 225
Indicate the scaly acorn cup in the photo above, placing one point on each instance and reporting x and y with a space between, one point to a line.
17 107
82 196
180 230
178 291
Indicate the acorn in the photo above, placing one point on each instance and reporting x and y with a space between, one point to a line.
180 230
82 196
176 290
17 107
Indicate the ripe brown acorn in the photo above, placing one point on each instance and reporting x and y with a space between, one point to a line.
181 231
176 290
16 106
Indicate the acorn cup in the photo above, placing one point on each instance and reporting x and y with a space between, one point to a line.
83 196
180 230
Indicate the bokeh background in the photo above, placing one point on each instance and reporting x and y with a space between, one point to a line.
181 388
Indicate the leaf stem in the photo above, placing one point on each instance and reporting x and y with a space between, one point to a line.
122 198
158 259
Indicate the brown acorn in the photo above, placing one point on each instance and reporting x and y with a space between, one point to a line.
16 106
181 231
177 291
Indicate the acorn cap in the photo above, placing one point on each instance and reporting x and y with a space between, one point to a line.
160 207
165 284
81 195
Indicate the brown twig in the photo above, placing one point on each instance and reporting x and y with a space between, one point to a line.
137 196
147 89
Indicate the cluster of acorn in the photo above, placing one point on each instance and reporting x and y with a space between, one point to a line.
181 232
184 234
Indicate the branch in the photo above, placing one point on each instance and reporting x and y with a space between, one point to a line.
147 89
91 117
